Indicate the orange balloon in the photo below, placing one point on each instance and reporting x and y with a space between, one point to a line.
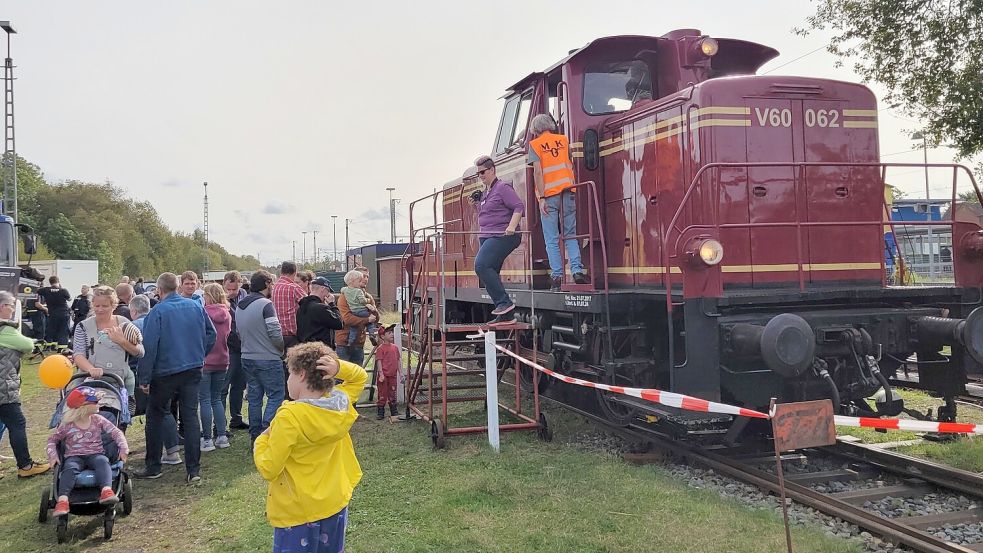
55 371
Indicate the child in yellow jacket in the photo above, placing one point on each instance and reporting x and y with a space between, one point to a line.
306 454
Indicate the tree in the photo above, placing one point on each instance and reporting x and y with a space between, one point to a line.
928 54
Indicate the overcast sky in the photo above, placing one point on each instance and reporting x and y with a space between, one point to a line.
295 111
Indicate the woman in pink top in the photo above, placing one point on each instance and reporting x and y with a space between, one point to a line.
213 374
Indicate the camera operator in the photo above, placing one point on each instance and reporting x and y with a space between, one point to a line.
499 212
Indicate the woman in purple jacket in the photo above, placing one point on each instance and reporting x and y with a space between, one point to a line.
499 213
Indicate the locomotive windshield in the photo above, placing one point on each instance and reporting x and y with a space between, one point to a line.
615 87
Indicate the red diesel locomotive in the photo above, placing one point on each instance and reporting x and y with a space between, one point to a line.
733 228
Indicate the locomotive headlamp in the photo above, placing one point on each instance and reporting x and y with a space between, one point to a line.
711 252
709 47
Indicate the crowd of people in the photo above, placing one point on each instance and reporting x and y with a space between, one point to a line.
188 355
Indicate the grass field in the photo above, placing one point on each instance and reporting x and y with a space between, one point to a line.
533 496
965 453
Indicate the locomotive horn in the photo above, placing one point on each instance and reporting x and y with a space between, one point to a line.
942 331
787 343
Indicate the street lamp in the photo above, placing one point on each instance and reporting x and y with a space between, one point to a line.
303 255
334 227
392 215
9 144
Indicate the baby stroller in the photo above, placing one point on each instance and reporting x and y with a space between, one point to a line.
84 497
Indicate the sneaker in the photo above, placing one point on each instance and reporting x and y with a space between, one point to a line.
502 320
581 278
145 474
207 445
239 424
108 497
194 479
503 310
555 283
222 442
33 470
171 458
61 508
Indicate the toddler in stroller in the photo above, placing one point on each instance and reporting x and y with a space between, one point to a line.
78 444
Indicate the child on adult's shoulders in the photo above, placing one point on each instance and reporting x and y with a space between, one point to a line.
307 455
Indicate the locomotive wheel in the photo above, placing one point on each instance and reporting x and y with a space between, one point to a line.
544 432
527 376
437 434
613 411
45 500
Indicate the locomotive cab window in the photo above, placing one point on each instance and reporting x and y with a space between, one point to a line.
617 86
515 116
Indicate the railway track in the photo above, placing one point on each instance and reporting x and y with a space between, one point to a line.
914 478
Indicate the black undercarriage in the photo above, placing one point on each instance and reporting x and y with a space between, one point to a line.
744 348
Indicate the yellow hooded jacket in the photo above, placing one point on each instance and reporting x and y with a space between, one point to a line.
308 457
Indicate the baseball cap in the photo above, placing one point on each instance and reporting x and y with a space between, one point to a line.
81 396
322 281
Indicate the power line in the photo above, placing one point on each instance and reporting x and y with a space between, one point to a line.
824 46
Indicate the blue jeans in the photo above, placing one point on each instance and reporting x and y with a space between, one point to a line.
263 377
492 252
235 386
551 232
352 354
353 331
210 400
75 464
162 391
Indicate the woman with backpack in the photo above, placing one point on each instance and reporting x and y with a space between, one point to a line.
104 343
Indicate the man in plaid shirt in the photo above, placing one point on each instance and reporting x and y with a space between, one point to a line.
286 296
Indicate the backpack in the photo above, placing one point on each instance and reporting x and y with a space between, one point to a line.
234 342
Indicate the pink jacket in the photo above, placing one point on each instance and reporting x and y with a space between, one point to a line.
218 358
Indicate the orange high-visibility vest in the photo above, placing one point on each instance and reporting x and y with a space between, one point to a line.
554 156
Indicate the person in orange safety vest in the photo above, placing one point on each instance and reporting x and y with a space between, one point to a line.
549 155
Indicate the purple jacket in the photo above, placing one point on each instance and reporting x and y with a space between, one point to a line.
496 208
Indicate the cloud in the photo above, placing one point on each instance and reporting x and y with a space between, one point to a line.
380 214
172 183
277 208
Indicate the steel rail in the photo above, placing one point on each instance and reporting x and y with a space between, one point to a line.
887 528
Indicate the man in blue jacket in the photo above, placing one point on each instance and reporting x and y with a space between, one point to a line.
176 336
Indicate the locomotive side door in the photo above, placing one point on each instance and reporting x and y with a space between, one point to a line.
509 154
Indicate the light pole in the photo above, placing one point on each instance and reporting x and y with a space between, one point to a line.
303 255
9 143
919 135
204 241
347 268
315 248
392 216
334 229
294 254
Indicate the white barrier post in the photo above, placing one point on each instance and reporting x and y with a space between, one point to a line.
400 376
491 389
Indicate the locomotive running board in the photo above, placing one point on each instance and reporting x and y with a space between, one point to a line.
676 421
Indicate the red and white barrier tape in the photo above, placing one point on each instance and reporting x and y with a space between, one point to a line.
910 425
690 403
670 399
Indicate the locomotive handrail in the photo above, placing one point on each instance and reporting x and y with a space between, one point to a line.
797 165
799 168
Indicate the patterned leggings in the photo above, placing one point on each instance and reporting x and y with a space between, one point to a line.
322 536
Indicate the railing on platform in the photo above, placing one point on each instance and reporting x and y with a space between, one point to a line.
799 178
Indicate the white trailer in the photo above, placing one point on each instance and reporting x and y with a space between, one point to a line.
72 273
